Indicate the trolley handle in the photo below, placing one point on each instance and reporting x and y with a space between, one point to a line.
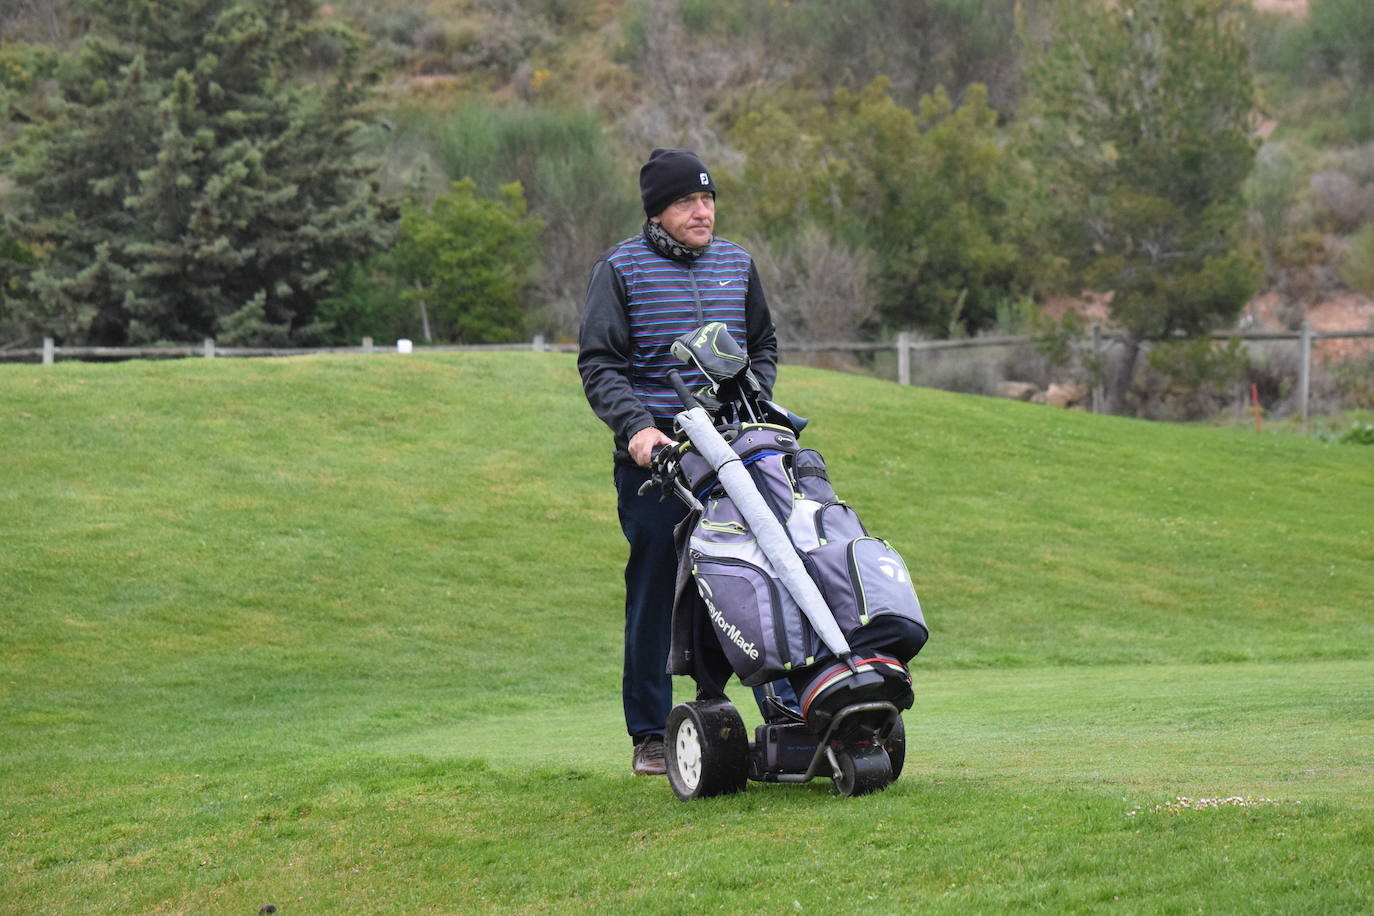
684 393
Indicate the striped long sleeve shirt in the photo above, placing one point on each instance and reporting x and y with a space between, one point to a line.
639 302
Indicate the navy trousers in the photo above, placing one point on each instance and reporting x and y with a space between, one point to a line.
650 577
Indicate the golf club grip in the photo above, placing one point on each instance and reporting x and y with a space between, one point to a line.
684 393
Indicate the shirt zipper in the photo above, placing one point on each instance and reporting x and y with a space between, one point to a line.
696 296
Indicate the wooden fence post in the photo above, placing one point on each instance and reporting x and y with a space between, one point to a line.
48 351
1305 378
209 348
904 357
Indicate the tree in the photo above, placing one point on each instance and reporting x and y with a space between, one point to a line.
190 184
468 264
931 194
926 45
570 181
1343 36
1140 109
15 261
52 21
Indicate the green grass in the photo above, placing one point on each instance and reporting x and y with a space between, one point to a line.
342 634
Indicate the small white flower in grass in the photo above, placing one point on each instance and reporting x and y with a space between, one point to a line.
1183 803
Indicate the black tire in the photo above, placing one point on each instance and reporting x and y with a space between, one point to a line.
896 747
864 768
706 749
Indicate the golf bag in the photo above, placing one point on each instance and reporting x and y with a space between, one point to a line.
778 577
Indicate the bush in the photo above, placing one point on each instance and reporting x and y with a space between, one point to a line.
1270 192
1301 271
1193 379
1349 203
1343 36
1357 264
469 263
1354 382
1282 45
566 14
932 193
817 287
461 271
582 197
368 302
1359 434
23 65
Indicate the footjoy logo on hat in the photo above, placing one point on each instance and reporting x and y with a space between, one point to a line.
671 174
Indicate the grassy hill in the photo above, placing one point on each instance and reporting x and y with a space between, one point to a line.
342 633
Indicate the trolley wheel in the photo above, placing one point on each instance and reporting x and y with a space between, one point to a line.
864 768
706 749
896 747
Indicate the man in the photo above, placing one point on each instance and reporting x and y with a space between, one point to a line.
643 294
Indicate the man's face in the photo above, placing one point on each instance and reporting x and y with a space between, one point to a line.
691 219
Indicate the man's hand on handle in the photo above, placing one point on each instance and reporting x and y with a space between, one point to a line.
643 443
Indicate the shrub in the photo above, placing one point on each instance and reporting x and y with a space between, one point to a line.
817 287
1348 202
1354 382
367 302
1359 434
461 271
1343 36
1357 264
398 26
23 65
582 197
1282 45
469 263
1301 271
1192 379
1270 192
931 192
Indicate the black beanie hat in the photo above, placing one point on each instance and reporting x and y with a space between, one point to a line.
670 174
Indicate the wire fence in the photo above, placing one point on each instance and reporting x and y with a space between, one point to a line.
1286 373
1008 365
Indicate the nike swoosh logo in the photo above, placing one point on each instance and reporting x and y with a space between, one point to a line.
724 282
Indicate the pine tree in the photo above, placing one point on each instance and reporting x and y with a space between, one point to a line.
191 184
1142 110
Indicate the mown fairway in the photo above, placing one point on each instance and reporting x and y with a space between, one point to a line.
342 635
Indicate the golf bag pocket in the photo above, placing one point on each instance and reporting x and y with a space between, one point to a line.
721 523
696 472
760 628
862 579
837 521
812 479
769 472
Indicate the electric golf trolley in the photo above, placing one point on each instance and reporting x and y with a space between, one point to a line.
778 579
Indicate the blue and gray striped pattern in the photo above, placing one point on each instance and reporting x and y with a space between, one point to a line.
665 303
